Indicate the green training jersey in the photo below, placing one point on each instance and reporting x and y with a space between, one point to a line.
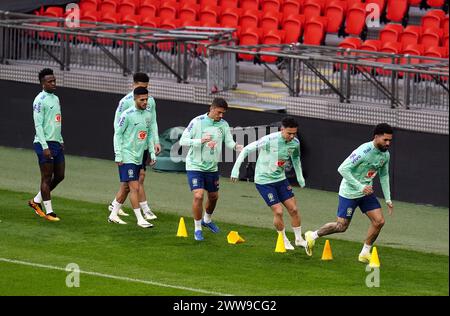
360 168
275 151
127 102
200 157
47 119
133 135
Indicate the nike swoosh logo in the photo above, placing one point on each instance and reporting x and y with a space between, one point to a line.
136 124
51 107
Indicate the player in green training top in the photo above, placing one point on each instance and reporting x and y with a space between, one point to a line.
358 172
270 177
139 80
48 144
131 137
205 135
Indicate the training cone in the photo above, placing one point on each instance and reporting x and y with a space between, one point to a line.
280 244
234 238
374 260
182 232
327 254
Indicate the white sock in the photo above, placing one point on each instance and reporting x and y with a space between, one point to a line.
48 206
138 214
366 249
283 232
116 208
114 202
144 206
207 217
198 224
38 198
298 233
315 235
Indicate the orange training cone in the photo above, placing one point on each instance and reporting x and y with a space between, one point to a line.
182 232
280 243
326 254
374 260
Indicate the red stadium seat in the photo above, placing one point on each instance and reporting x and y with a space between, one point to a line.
250 18
351 42
208 14
148 10
434 51
127 7
312 9
411 35
315 29
273 37
290 7
293 27
249 36
435 3
228 3
270 21
88 5
230 17
108 6
431 36
396 10
56 12
210 3
168 10
414 2
351 3
413 50
371 46
433 18
249 4
391 33
381 4
271 5
187 13
150 21
356 19
392 48
335 13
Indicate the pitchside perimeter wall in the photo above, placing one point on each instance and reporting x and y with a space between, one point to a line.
419 161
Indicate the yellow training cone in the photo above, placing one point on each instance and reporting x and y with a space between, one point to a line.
234 238
280 243
326 254
182 232
374 260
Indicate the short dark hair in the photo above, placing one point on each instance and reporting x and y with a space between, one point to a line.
220 103
140 91
382 129
45 72
289 122
141 77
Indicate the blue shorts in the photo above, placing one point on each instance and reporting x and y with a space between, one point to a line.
55 148
208 181
129 172
144 159
274 193
347 207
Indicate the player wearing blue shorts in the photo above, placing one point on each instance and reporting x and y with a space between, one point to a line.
204 136
131 137
48 144
358 172
270 176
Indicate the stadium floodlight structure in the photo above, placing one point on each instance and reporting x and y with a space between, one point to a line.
352 75
107 47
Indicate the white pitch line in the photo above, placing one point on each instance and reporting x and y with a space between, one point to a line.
115 277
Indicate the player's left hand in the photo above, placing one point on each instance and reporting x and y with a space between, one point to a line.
239 148
157 149
390 208
152 162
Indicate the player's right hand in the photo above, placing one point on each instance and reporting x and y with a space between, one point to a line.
119 163
368 190
47 154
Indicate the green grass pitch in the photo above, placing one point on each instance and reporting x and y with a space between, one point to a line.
129 260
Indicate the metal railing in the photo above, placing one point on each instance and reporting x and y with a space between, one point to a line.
354 75
176 54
